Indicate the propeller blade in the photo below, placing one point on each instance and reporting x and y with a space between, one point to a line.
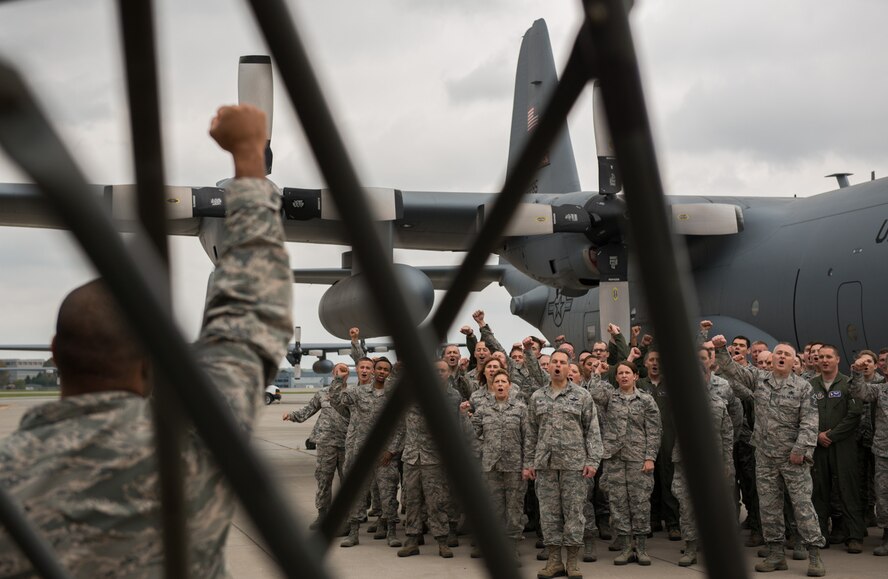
543 219
609 180
255 87
706 218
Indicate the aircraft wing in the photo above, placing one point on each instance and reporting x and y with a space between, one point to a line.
441 276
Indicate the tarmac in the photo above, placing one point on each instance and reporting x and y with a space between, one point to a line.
282 445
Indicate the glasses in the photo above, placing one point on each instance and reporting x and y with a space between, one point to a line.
598 350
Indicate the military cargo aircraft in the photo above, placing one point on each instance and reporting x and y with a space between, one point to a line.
769 268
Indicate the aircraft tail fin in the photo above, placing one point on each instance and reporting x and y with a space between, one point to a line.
535 81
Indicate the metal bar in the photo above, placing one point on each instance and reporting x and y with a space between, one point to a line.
35 548
562 100
137 31
517 181
31 142
664 267
415 347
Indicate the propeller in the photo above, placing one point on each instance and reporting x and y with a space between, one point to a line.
255 87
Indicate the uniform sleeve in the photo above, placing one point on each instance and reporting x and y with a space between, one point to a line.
530 437
471 342
860 390
535 371
618 350
653 429
743 382
735 411
247 321
477 422
594 446
396 444
492 343
601 392
357 351
308 410
338 389
808 423
727 438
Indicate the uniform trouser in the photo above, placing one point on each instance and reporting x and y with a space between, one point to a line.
426 485
602 505
663 505
685 505
591 528
561 494
629 492
507 490
744 465
532 508
385 479
838 463
330 460
867 472
881 486
773 476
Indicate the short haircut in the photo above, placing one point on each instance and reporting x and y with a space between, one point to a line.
560 351
869 353
788 345
519 348
92 338
883 351
655 351
363 359
382 359
504 373
759 343
835 350
744 338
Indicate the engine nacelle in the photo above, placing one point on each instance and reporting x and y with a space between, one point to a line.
347 304
563 260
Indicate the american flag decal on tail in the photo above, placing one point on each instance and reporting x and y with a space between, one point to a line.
532 120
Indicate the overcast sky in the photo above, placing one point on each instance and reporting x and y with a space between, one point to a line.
748 98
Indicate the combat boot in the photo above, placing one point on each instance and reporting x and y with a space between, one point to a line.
543 555
690 555
775 561
627 555
352 538
554 566
618 544
763 552
590 554
641 550
381 529
453 535
443 550
838 534
391 536
799 552
604 528
317 522
882 550
374 527
815 563
755 539
410 548
572 567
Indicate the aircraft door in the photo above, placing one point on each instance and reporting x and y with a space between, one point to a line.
590 329
849 314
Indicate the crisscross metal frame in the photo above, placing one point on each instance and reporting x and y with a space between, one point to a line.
137 275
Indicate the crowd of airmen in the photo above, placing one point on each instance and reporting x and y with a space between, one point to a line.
580 447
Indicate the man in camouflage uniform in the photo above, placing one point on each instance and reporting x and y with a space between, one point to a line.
85 466
865 456
562 447
363 403
425 482
457 379
725 437
876 393
785 436
329 436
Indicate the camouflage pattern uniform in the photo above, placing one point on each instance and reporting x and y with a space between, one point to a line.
519 374
329 435
631 436
562 437
425 482
500 429
725 431
85 468
877 395
364 404
786 423
865 457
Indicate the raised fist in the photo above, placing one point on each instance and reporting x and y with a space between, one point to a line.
718 341
636 330
466 330
647 340
479 317
705 325
613 329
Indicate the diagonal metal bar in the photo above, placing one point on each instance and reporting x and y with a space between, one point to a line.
31 142
575 76
415 346
35 548
516 184
137 31
663 263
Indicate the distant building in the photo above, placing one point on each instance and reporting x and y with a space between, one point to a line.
309 379
21 368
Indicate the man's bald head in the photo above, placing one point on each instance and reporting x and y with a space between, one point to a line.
93 348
